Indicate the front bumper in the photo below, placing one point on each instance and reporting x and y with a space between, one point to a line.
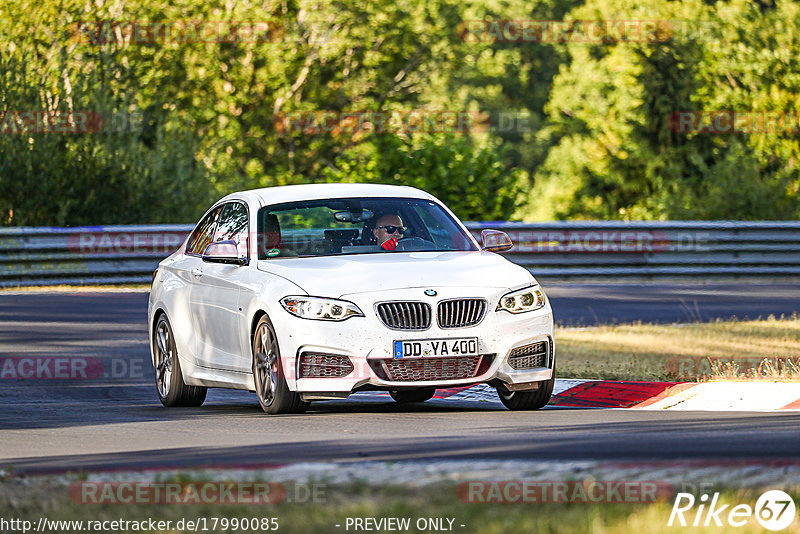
368 344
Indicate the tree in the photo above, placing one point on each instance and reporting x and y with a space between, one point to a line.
616 154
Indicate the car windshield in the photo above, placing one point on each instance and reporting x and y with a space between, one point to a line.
339 226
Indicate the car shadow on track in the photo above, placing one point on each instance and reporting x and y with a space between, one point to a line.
27 406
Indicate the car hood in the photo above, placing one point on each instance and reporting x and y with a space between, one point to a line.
334 276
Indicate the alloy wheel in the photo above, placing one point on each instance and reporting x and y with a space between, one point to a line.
164 355
266 362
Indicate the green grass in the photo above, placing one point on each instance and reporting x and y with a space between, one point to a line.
766 349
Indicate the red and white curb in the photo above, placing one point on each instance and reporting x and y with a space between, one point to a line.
727 396
703 396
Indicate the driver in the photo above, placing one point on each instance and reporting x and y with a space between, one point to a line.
388 230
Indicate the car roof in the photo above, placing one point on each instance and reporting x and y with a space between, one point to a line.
293 193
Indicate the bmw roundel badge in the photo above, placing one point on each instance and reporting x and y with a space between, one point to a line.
430 292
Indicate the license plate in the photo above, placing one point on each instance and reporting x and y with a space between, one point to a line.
420 348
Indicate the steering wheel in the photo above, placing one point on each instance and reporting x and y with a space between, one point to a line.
413 243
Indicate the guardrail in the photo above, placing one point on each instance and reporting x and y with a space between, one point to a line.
85 255
128 254
654 248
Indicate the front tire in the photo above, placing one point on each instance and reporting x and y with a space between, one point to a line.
271 388
528 400
405 396
172 390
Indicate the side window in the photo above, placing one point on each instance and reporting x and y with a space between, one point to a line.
203 234
233 225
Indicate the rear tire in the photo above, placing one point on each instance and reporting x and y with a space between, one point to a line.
528 400
405 396
271 388
172 390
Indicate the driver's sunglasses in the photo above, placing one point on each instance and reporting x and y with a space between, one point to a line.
392 229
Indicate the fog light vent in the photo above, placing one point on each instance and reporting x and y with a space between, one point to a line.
321 365
529 356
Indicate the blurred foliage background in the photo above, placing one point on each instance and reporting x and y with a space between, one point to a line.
590 136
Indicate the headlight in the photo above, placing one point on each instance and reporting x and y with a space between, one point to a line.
523 300
321 309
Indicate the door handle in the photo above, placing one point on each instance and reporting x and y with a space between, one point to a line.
197 272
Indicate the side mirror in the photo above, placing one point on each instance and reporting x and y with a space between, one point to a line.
224 252
496 241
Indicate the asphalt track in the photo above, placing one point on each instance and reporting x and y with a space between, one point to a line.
115 421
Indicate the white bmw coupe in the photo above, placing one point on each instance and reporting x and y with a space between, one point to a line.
314 292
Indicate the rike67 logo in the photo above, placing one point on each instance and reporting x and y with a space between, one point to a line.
774 510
